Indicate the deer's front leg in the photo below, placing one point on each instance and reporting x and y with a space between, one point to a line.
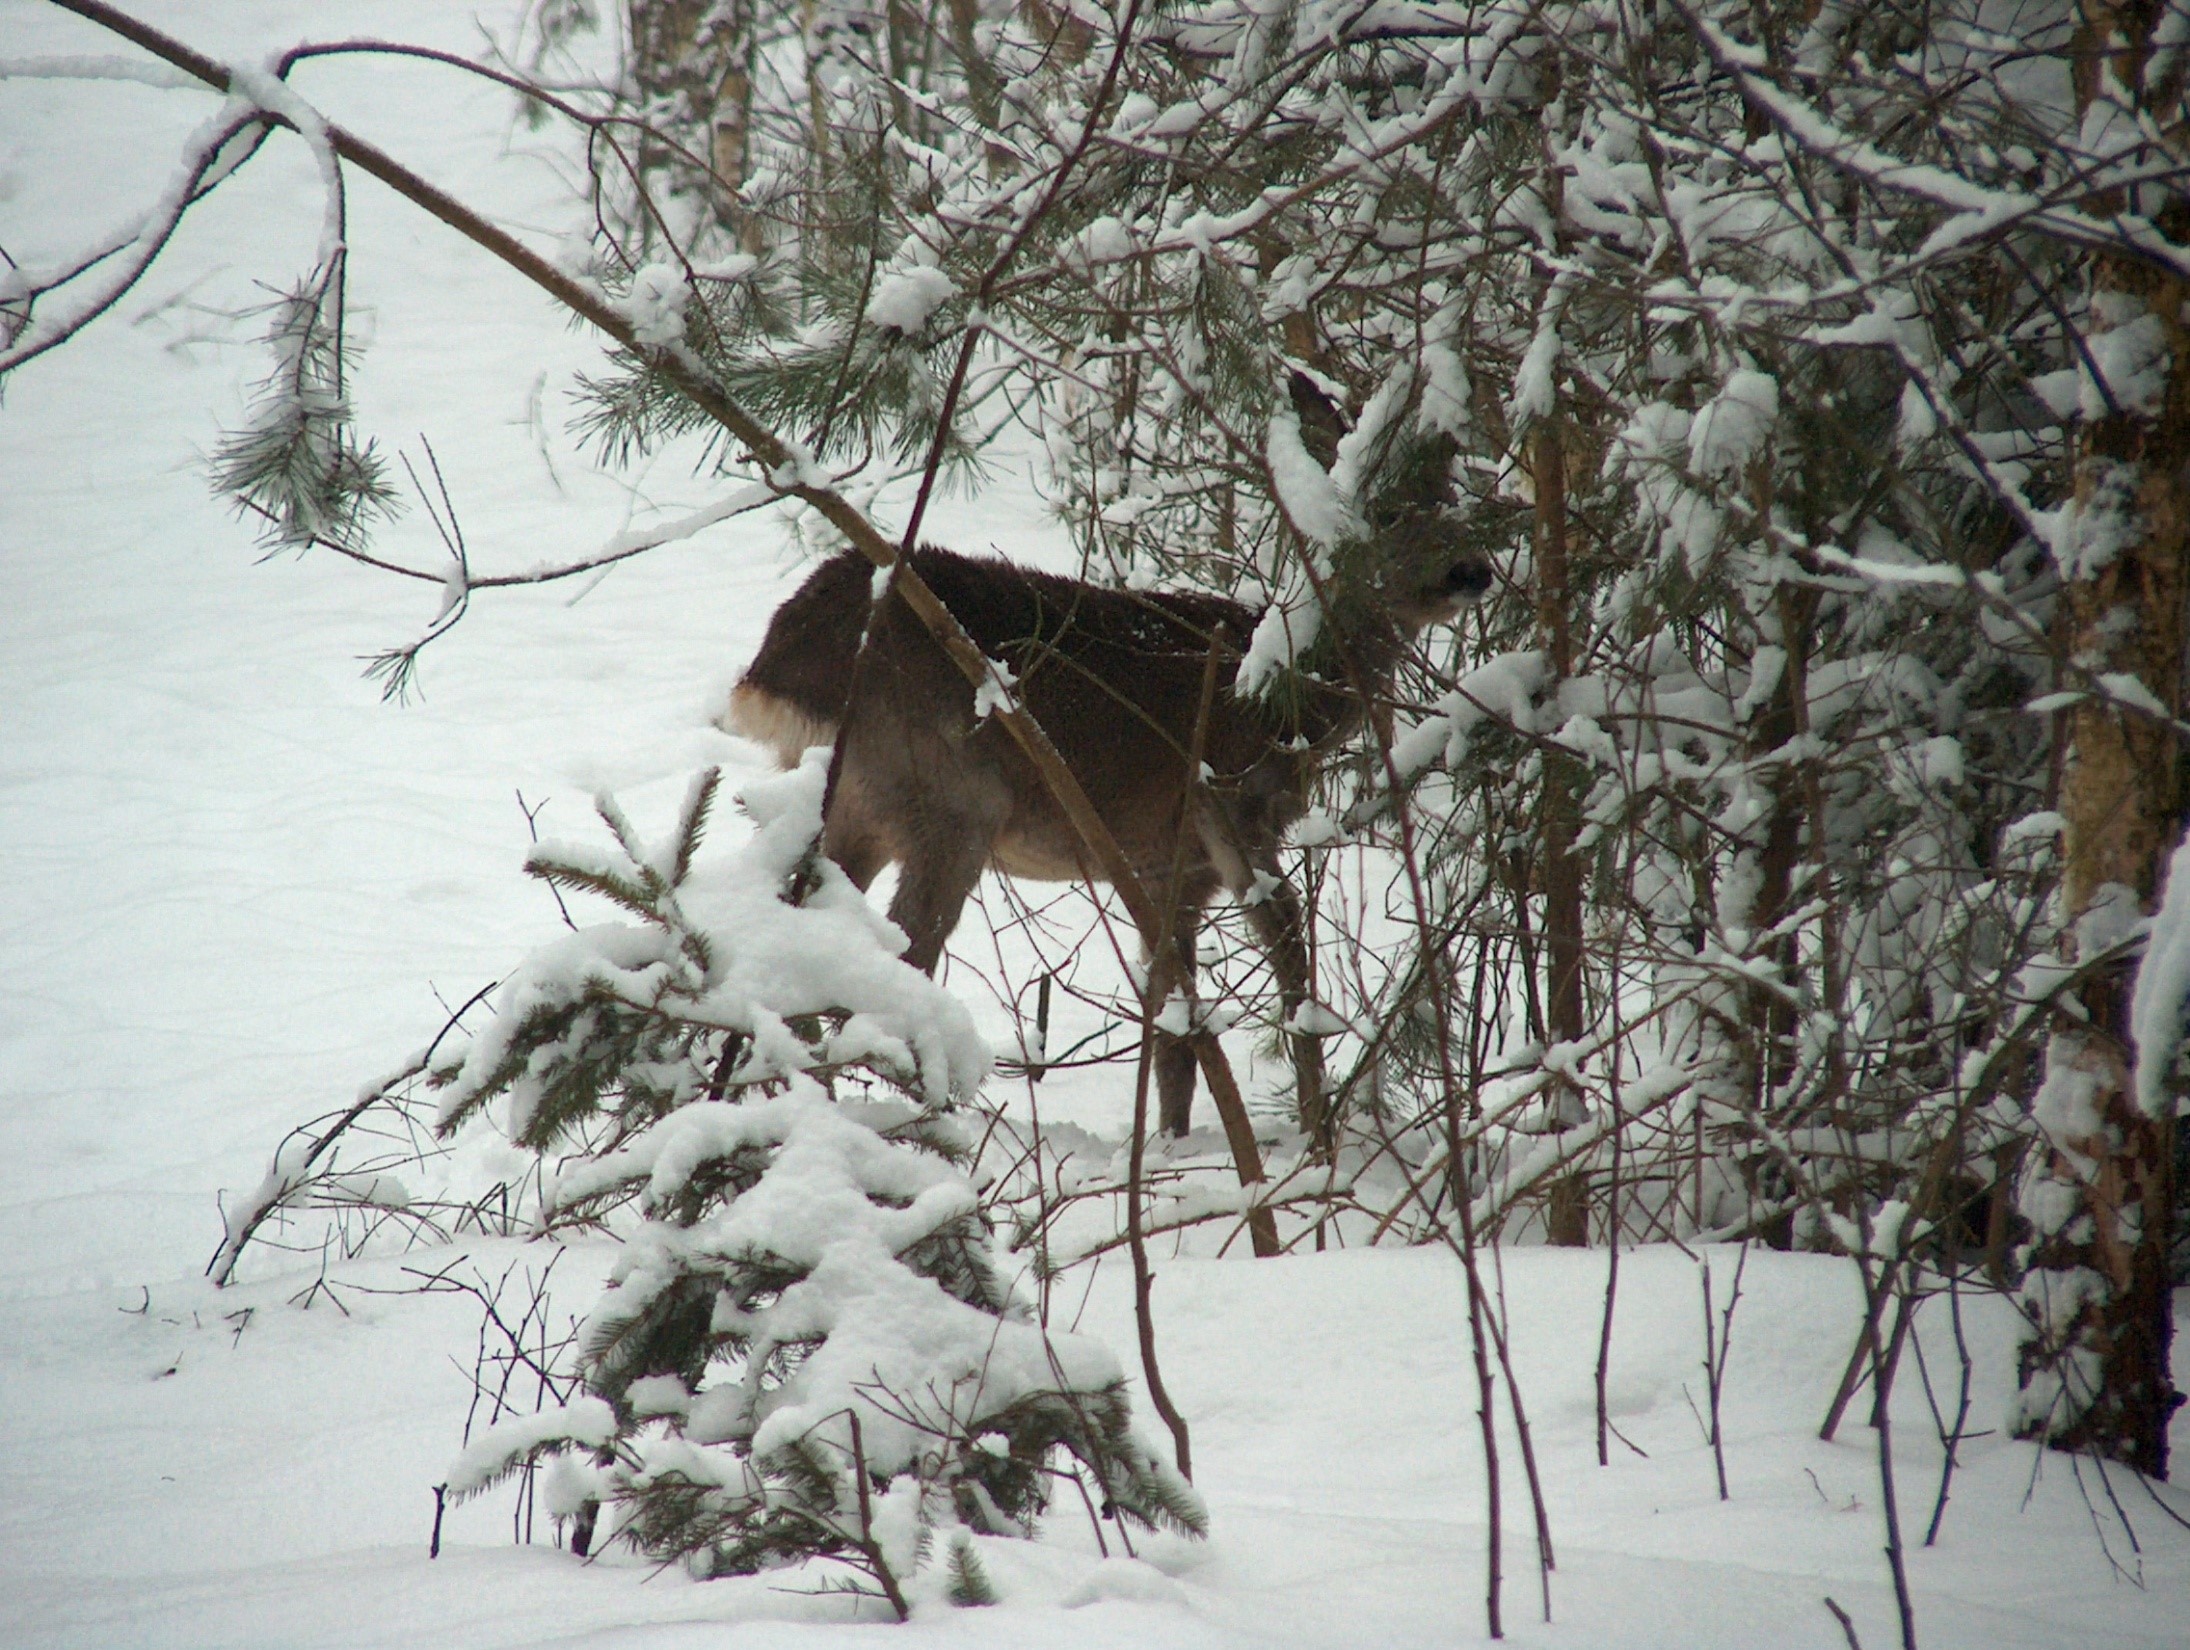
934 877
1273 911
914 790
1175 1059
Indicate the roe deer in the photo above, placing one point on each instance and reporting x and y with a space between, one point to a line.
1115 678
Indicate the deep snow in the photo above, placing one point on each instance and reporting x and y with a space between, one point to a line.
237 880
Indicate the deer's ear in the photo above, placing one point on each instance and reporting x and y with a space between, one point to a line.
1434 467
1416 480
1322 425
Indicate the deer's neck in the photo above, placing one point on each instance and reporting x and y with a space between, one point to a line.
1349 667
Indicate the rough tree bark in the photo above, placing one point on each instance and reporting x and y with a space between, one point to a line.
2099 1191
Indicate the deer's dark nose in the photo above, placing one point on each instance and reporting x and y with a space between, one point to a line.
1468 579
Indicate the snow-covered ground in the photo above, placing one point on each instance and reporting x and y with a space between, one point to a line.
239 885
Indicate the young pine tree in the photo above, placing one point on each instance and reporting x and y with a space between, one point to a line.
807 1348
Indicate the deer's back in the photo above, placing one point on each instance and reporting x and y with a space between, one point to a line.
1113 676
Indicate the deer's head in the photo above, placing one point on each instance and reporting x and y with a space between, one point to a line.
1419 563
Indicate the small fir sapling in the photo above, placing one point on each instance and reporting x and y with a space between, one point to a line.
970 1587
807 1348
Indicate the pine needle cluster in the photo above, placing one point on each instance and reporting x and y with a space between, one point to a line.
297 464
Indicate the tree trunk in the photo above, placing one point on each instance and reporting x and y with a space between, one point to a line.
1566 779
1789 833
2099 1189
730 139
1566 1214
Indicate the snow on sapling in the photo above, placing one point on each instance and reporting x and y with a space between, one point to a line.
807 1348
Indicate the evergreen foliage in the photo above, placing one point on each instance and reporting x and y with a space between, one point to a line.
970 1587
808 1348
298 464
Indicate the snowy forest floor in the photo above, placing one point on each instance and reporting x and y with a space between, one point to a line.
239 886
